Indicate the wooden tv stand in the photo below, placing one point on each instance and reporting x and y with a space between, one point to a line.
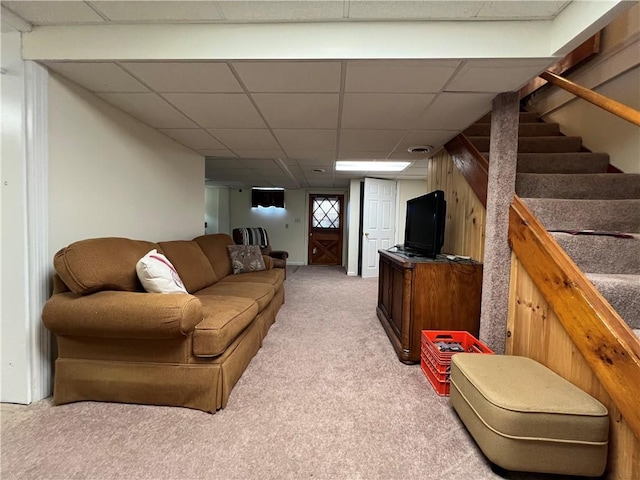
418 293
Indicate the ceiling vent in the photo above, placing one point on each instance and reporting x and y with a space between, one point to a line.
420 149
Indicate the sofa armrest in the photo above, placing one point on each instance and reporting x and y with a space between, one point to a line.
111 314
268 262
281 254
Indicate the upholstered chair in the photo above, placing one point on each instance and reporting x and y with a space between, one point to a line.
259 236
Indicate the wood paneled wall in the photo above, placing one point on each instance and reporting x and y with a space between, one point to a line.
464 232
534 331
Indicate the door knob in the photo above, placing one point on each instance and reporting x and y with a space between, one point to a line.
366 234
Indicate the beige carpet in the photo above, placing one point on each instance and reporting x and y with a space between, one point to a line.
325 398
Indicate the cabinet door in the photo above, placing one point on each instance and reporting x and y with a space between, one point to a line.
397 298
384 287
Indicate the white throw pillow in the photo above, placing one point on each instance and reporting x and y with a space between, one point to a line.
158 275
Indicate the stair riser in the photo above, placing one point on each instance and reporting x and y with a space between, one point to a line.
600 215
524 130
580 162
525 117
536 144
602 254
588 186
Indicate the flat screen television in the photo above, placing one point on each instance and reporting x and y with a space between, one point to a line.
424 228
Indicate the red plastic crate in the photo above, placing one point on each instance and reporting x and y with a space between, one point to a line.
440 386
468 342
435 364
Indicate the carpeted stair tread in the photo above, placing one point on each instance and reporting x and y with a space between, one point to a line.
622 292
586 186
602 253
576 214
536 129
558 143
525 117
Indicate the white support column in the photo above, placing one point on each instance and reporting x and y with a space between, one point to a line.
39 263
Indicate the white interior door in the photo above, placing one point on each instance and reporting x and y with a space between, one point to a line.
378 222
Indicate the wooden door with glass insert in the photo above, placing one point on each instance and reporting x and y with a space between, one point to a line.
325 229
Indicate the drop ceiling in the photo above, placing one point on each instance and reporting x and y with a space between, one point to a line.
284 122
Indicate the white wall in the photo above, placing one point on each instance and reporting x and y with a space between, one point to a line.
15 343
615 73
406 190
286 226
111 175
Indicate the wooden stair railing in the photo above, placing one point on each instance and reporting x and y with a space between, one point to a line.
602 337
471 163
627 113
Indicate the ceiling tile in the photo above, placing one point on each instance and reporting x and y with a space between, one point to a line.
433 138
128 11
217 110
223 163
383 111
412 10
262 11
52 13
306 139
193 77
369 140
399 76
194 138
288 77
522 10
455 111
362 155
98 77
246 139
299 110
149 108
496 75
259 153
315 159
207 152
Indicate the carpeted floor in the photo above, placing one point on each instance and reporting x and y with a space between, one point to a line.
325 397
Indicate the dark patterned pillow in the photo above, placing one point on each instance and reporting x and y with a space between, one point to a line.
246 258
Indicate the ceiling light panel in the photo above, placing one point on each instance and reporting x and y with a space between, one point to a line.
372 166
188 77
285 77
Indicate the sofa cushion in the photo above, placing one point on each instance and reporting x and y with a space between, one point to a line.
245 258
224 319
192 265
261 293
215 248
99 264
158 275
273 277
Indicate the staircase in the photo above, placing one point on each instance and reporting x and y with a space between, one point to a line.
569 190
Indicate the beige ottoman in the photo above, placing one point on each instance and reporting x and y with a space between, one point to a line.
524 417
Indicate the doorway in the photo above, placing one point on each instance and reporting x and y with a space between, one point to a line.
326 226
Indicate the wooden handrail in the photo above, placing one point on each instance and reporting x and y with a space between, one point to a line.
597 330
627 113
471 163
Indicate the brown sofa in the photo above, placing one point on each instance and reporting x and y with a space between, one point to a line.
118 343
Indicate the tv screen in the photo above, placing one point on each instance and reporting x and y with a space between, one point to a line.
424 229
